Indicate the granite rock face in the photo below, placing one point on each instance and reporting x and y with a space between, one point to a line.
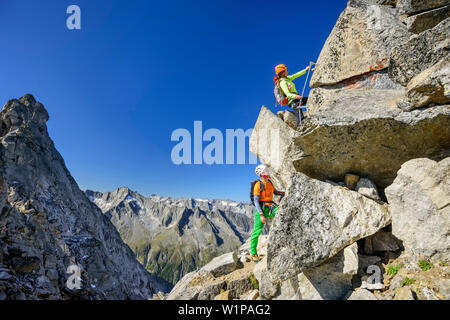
359 43
48 227
419 200
419 53
316 221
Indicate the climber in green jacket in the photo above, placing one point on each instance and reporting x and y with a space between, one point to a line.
294 100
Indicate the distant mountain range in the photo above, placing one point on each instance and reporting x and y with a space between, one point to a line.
172 237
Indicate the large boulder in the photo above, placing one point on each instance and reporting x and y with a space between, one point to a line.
419 200
316 221
329 281
419 53
364 132
428 87
359 43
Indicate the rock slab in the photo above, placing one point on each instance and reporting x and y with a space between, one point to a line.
419 200
316 221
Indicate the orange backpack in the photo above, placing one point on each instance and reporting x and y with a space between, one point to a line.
278 92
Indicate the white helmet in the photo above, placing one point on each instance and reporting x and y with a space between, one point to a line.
262 169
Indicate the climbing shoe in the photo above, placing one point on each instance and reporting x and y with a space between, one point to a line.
255 257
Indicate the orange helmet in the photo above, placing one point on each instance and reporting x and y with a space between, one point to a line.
280 68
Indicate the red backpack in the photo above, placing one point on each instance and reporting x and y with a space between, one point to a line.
278 92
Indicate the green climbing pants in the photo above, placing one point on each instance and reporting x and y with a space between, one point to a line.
269 212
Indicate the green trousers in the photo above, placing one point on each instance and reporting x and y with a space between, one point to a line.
258 226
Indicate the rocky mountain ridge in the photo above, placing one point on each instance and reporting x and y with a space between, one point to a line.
54 243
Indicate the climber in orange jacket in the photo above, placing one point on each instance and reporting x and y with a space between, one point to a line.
261 195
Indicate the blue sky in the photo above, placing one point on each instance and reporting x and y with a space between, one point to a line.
137 70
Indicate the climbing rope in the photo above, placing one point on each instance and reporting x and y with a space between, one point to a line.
306 81
307 76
